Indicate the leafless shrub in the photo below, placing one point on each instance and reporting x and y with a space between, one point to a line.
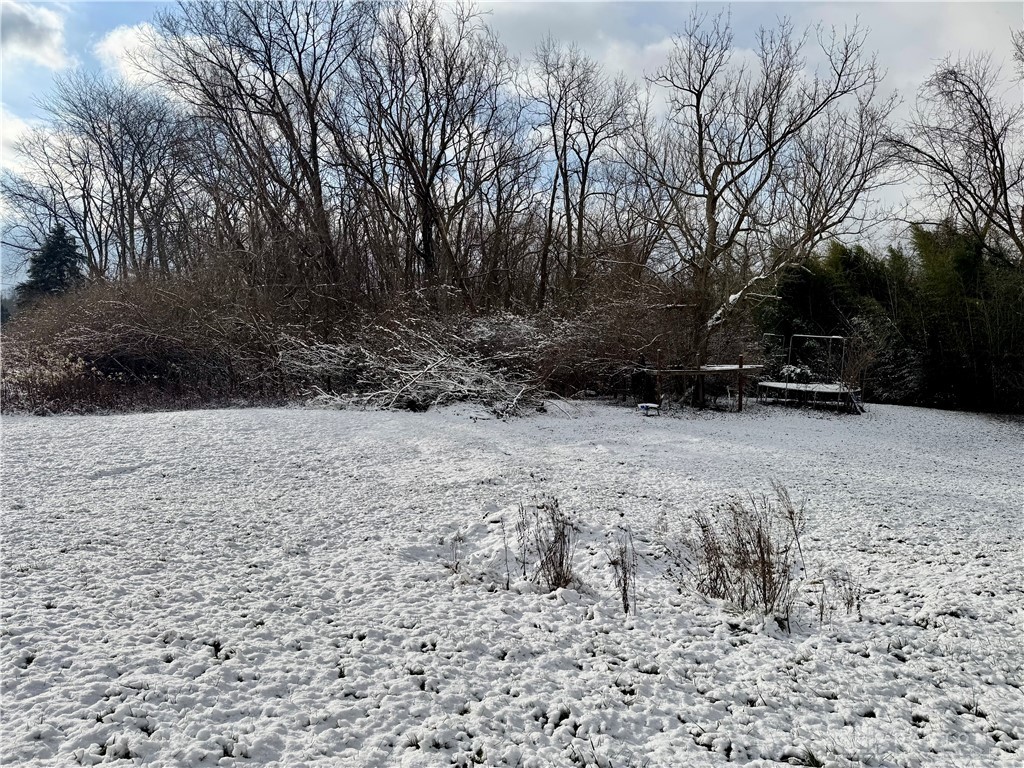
746 553
833 590
40 381
178 342
794 516
556 545
199 340
548 538
140 344
523 528
454 561
504 544
597 349
624 562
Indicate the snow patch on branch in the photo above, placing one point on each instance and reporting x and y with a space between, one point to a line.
730 304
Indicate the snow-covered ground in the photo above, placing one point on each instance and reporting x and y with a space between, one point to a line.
269 587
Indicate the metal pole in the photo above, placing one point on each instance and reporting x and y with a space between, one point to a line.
739 387
659 376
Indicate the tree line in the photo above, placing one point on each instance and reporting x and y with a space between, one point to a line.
322 158
938 322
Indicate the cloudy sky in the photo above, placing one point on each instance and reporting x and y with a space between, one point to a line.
40 40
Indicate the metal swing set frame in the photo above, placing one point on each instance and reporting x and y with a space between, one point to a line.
835 391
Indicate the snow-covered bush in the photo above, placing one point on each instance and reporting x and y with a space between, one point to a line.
39 381
414 364
798 373
193 341
505 338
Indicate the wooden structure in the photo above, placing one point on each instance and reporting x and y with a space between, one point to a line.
738 369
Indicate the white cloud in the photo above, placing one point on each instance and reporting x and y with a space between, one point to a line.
910 38
12 128
33 33
635 59
123 48
591 25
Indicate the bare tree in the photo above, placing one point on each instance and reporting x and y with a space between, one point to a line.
1018 51
431 121
501 226
966 142
326 154
755 162
260 73
107 166
583 112
137 137
59 183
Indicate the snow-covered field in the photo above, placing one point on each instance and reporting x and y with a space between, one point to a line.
269 587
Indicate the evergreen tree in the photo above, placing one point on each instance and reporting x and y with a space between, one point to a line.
5 307
55 268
